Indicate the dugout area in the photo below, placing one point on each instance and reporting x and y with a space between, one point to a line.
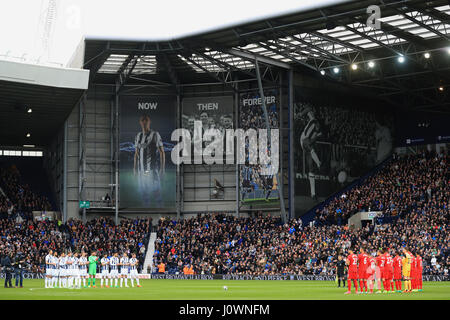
303 55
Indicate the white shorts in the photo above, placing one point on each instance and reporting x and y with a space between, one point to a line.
83 272
76 273
62 272
124 272
114 273
48 272
134 273
104 273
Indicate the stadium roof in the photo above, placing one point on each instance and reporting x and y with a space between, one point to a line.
313 41
50 93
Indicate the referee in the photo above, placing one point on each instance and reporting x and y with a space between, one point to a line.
340 271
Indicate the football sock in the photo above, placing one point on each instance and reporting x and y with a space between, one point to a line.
355 283
137 281
349 284
116 282
312 184
126 282
315 158
93 281
121 282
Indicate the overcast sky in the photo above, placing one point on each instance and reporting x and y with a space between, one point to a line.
22 22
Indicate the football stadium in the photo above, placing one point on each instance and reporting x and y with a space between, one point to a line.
303 155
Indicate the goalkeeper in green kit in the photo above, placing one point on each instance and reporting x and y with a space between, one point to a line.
93 259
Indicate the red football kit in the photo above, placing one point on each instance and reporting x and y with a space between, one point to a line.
352 261
419 271
388 267
381 262
363 260
388 272
362 271
413 273
352 266
398 273
397 268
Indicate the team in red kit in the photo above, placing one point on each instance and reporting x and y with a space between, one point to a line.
388 271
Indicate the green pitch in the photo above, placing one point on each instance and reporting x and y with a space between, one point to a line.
213 289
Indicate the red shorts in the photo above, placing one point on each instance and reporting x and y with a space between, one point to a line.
398 275
352 274
388 275
362 275
382 273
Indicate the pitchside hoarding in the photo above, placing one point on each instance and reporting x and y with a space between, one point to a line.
147 174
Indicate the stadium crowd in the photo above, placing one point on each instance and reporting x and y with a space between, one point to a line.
17 198
414 189
34 238
409 184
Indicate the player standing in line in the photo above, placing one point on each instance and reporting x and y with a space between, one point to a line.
406 270
62 271
363 260
114 269
93 259
352 262
381 261
104 274
371 271
82 264
419 272
48 268
124 264
69 264
76 271
133 270
398 272
55 265
388 272
413 273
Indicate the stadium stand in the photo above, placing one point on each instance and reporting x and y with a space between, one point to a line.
35 238
19 198
19 232
412 192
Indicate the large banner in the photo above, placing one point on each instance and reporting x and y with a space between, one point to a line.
147 174
335 144
255 186
213 112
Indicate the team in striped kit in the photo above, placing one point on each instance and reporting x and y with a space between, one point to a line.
71 270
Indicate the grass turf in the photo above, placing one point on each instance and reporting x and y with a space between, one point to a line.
213 290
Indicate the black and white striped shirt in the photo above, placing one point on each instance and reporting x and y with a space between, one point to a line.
147 145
